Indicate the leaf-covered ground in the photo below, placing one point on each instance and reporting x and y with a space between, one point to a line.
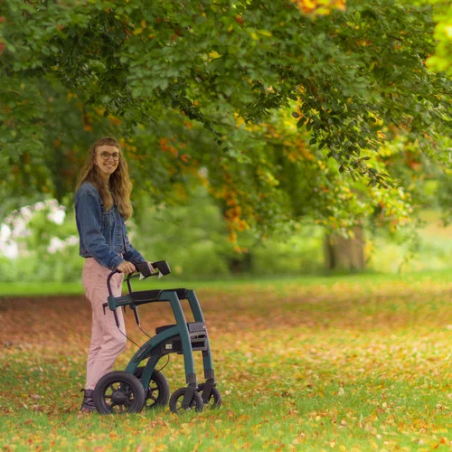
348 366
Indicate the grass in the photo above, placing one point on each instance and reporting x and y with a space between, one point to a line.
353 363
367 279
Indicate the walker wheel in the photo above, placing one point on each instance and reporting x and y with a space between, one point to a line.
158 392
177 398
119 392
214 399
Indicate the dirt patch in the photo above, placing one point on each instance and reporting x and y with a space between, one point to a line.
57 319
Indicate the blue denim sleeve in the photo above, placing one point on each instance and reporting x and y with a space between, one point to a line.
89 223
131 254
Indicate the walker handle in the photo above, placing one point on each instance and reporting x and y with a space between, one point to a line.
143 268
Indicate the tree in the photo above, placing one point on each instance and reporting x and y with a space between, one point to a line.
357 76
442 59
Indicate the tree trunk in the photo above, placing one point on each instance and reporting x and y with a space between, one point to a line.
241 263
345 253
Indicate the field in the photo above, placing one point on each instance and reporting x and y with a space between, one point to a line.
353 364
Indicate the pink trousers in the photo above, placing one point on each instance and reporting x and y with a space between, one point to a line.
107 342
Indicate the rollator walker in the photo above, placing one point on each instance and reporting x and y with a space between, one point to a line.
141 384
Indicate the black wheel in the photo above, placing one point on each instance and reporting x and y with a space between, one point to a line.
177 398
158 392
214 399
119 392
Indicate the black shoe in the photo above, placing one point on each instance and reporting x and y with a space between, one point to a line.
88 401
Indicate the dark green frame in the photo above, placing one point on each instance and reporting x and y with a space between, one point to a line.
180 329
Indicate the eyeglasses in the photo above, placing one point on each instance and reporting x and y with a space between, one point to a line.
106 155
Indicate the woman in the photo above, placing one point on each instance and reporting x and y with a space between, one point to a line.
102 204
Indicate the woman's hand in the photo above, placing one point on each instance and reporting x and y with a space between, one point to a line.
126 267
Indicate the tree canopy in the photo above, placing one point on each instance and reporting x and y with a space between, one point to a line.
442 59
194 89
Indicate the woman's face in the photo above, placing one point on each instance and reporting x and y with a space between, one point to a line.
107 160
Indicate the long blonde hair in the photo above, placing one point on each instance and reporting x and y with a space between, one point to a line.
119 186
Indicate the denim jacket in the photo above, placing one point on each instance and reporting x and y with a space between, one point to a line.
103 235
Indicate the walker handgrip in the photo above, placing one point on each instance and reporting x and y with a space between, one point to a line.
162 267
143 268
